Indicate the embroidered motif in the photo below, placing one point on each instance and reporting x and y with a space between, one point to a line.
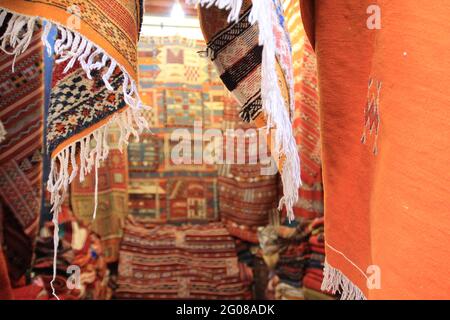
372 113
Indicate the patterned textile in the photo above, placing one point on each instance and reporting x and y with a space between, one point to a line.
78 247
386 192
97 38
179 262
100 36
112 198
184 89
113 25
21 101
285 251
247 198
316 257
254 61
306 116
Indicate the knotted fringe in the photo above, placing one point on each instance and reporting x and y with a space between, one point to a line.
93 148
335 281
272 98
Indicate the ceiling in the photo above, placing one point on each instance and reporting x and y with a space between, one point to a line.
164 7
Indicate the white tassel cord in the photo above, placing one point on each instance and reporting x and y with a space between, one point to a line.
272 98
233 5
335 281
18 34
71 47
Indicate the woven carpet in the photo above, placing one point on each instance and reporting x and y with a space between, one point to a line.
385 140
179 262
93 36
21 101
247 197
250 47
112 198
183 88
306 116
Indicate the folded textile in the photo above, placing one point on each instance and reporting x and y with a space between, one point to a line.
79 247
285 250
179 262
311 294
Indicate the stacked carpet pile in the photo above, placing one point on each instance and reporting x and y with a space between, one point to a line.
316 260
78 248
180 262
285 251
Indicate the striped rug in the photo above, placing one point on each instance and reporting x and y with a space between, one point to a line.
21 101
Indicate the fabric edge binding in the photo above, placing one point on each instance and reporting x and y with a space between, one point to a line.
71 46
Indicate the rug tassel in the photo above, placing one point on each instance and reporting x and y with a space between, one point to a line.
335 281
273 103
18 34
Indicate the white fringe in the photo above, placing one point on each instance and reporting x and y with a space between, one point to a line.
2 132
233 5
18 34
335 281
70 47
272 98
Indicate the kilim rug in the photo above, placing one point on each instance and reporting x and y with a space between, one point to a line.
385 138
306 115
179 262
112 198
247 197
21 101
101 36
184 89
250 47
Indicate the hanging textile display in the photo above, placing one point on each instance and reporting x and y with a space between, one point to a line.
21 101
306 115
385 176
247 198
187 97
112 197
100 37
249 45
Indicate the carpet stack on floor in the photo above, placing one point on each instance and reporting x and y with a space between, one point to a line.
78 248
180 262
316 259
285 251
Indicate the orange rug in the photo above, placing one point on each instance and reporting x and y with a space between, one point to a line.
384 97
